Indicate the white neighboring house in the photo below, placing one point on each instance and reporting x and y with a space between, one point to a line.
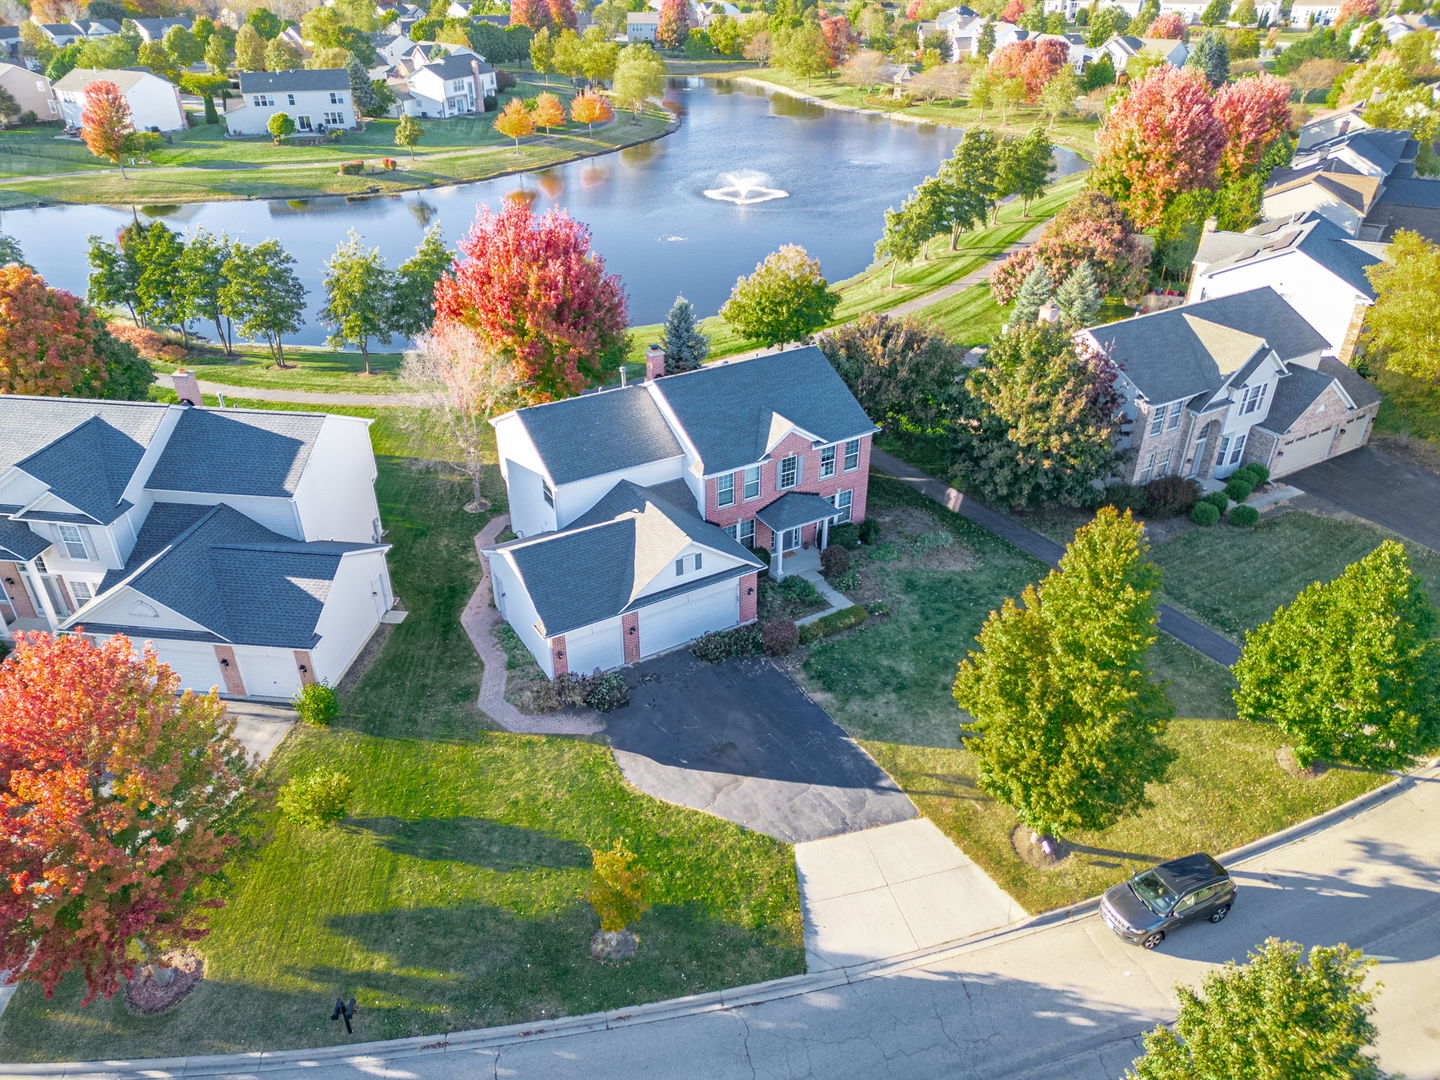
154 102
1123 48
31 91
317 100
244 544
1303 13
454 86
156 29
391 48
62 34
642 26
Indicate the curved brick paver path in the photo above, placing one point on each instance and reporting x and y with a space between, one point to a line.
479 620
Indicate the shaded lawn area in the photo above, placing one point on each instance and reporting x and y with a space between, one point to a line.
1409 411
317 369
1234 579
450 896
888 683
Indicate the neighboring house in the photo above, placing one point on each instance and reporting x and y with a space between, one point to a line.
642 25
1345 177
1329 127
1211 386
391 48
1405 203
316 99
94 29
9 42
1303 13
31 91
1345 198
245 544
458 9
1122 49
1316 266
156 29
640 510
1191 9
154 101
62 34
455 86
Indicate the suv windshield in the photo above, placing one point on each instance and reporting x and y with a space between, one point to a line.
1154 892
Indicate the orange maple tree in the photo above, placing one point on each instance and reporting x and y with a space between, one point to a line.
590 108
105 123
548 112
118 800
515 120
47 338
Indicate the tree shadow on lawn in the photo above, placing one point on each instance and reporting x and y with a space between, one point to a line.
472 840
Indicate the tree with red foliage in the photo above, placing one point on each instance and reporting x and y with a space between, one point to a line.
562 14
1013 12
1171 26
1361 10
533 291
674 25
1254 113
1092 229
912 12
1033 62
51 343
118 801
1160 141
532 13
105 123
840 39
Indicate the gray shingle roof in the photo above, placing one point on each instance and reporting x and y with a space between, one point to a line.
88 467
597 434
18 542
237 452
1294 393
260 82
796 508
729 410
1168 357
457 67
1330 246
1314 236
1360 389
596 568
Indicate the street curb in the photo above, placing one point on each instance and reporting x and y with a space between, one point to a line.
366 1056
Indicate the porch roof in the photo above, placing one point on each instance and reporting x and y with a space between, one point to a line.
795 509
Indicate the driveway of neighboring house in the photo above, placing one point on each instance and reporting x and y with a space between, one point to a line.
740 740
260 726
1394 494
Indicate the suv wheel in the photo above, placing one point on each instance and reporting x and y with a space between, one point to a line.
1151 940
1218 915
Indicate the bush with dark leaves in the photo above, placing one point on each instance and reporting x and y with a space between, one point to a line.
834 562
1170 496
1204 513
779 637
727 644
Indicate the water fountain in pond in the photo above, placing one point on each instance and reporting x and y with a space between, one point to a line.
744 188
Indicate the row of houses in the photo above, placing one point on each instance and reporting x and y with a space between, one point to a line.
154 101
963 29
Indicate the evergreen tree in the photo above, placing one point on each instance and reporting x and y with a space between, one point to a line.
985 43
1350 670
1212 56
1078 296
361 91
684 345
1068 722
1037 289
10 251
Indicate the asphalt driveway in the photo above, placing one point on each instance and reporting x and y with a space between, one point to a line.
1401 497
741 741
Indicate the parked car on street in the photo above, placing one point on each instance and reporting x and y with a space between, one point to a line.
1156 901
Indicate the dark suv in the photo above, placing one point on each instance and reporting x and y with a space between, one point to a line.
1152 903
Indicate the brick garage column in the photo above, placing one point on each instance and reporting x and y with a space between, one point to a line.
304 666
749 597
630 630
557 656
230 670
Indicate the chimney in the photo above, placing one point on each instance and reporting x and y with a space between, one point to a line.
1211 224
654 362
187 388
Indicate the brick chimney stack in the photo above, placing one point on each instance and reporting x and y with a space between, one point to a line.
654 362
187 387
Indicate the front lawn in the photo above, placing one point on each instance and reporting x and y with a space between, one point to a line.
888 683
449 898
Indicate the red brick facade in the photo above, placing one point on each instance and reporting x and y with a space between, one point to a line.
630 628
557 656
305 666
19 598
749 597
856 481
229 670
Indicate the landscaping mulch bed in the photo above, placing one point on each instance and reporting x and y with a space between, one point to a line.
147 997
1286 757
1032 854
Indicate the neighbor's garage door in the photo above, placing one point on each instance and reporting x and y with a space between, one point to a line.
270 673
1352 435
194 662
1302 451
684 618
598 647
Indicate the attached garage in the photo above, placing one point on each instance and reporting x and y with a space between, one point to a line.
599 646
194 662
1302 451
268 673
684 618
1353 434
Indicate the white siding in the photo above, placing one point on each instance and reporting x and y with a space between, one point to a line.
1322 299
335 498
1308 197
125 606
572 500
311 105
352 612
515 607
712 562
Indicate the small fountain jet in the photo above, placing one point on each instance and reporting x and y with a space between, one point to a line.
744 188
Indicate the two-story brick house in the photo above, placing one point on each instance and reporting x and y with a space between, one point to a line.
1211 386
645 514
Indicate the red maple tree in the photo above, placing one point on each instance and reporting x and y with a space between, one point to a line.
1356 9
532 13
532 290
1254 112
562 14
118 799
105 123
1091 228
1013 12
1171 26
673 26
840 39
1033 62
47 338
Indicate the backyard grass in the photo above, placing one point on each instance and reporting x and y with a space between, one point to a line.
1409 412
449 898
314 369
888 683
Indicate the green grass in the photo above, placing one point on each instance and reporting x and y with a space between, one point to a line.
888 683
314 369
1410 410
450 896
1234 579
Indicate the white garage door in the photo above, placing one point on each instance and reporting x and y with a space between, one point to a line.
268 673
194 662
684 618
1303 451
599 647
1352 435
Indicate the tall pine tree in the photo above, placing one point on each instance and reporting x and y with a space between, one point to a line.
1078 296
1037 289
684 345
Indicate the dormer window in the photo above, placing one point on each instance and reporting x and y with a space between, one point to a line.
789 473
1251 400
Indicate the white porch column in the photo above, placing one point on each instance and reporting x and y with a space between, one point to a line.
38 588
824 534
777 554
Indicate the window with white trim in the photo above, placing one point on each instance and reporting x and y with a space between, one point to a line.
1251 400
843 501
1157 419
752 483
746 532
81 592
74 541
1237 448
1148 471
725 490
336 98
1224 449
827 462
290 98
789 472
335 119
264 100
852 455
1162 467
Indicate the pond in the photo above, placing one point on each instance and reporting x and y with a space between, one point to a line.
689 213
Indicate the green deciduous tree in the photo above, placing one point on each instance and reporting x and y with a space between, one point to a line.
1401 329
1024 167
202 275
786 299
10 252
281 126
1349 670
1279 1016
684 344
249 49
639 77
359 297
969 179
159 289
262 295
408 133
902 371
413 296
1064 722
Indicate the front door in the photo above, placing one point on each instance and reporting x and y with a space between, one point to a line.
59 599
790 541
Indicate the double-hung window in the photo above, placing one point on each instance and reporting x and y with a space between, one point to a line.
842 501
1162 466
1251 399
336 98
290 98
335 119
679 567
789 472
1237 448
745 532
725 490
1148 471
81 592
752 483
827 462
1157 419
264 101
74 541
852 455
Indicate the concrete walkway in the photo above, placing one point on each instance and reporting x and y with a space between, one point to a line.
890 891
1179 626
259 726
837 600
306 397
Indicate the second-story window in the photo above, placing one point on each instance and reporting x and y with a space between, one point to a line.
74 541
852 455
336 99
1157 419
789 472
752 482
827 462
725 490
1251 401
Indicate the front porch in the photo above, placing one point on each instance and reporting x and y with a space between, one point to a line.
799 525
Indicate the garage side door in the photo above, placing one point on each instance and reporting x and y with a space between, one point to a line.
270 673
1302 451
681 619
194 662
599 647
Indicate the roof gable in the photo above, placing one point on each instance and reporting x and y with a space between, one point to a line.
89 468
595 434
237 452
1231 349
